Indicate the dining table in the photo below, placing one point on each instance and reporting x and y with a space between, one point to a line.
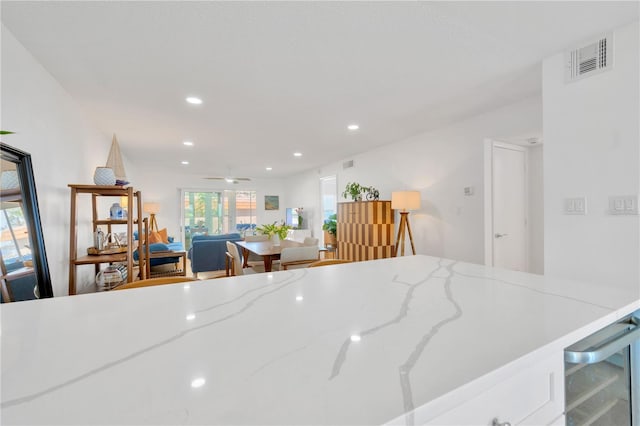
266 249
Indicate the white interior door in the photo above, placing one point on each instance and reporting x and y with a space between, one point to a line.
509 207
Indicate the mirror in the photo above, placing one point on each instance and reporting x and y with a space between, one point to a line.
23 260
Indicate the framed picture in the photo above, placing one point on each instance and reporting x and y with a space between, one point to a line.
271 202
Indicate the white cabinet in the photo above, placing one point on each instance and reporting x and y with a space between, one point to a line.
531 396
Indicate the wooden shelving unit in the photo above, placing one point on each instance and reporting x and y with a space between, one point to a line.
134 199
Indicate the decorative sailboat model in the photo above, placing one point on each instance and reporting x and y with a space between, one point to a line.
115 162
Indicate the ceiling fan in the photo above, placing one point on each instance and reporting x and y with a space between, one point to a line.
230 179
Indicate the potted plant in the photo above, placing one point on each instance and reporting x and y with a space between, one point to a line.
353 190
274 230
330 228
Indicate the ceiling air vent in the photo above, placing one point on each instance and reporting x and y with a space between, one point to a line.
347 164
589 59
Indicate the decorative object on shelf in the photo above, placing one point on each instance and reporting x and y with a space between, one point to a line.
98 239
271 202
275 231
355 191
405 200
116 212
330 228
9 179
104 176
152 209
372 194
111 277
300 219
115 162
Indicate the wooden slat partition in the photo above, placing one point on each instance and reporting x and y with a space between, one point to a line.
365 230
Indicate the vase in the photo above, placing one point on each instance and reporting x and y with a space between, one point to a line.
104 176
275 239
116 212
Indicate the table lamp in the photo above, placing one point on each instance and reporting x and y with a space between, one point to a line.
403 201
152 209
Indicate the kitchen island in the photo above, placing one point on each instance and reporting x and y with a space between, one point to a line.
402 340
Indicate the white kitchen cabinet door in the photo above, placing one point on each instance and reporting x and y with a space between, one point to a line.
534 396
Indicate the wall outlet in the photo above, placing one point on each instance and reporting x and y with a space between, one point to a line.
576 206
623 205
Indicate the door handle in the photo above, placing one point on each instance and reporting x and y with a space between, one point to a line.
500 235
603 350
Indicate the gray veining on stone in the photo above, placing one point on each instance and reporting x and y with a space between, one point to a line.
402 313
533 289
278 358
243 294
405 369
136 354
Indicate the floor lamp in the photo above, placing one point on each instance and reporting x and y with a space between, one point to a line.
403 201
152 209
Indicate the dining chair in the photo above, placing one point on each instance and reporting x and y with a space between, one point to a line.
298 257
253 259
310 241
325 262
154 281
236 260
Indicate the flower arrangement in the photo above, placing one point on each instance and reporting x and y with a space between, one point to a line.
299 213
274 228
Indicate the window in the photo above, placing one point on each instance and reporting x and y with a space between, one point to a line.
217 212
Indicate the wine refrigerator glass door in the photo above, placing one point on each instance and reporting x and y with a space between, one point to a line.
601 373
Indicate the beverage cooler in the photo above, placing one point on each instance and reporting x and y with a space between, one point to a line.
602 376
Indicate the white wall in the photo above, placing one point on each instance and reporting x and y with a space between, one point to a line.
439 164
64 146
591 149
535 171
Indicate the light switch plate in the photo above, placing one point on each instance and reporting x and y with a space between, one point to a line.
468 190
623 205
576 206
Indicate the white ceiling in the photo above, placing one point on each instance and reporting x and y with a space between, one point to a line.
277 77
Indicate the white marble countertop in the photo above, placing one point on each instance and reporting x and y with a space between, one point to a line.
360 343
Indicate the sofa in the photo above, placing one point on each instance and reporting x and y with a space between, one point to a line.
207 252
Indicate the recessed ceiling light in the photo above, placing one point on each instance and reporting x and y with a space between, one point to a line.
297 154
353 127
187 143
198 383
185 162
355 338
191 317
228 180
193 100
269 169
